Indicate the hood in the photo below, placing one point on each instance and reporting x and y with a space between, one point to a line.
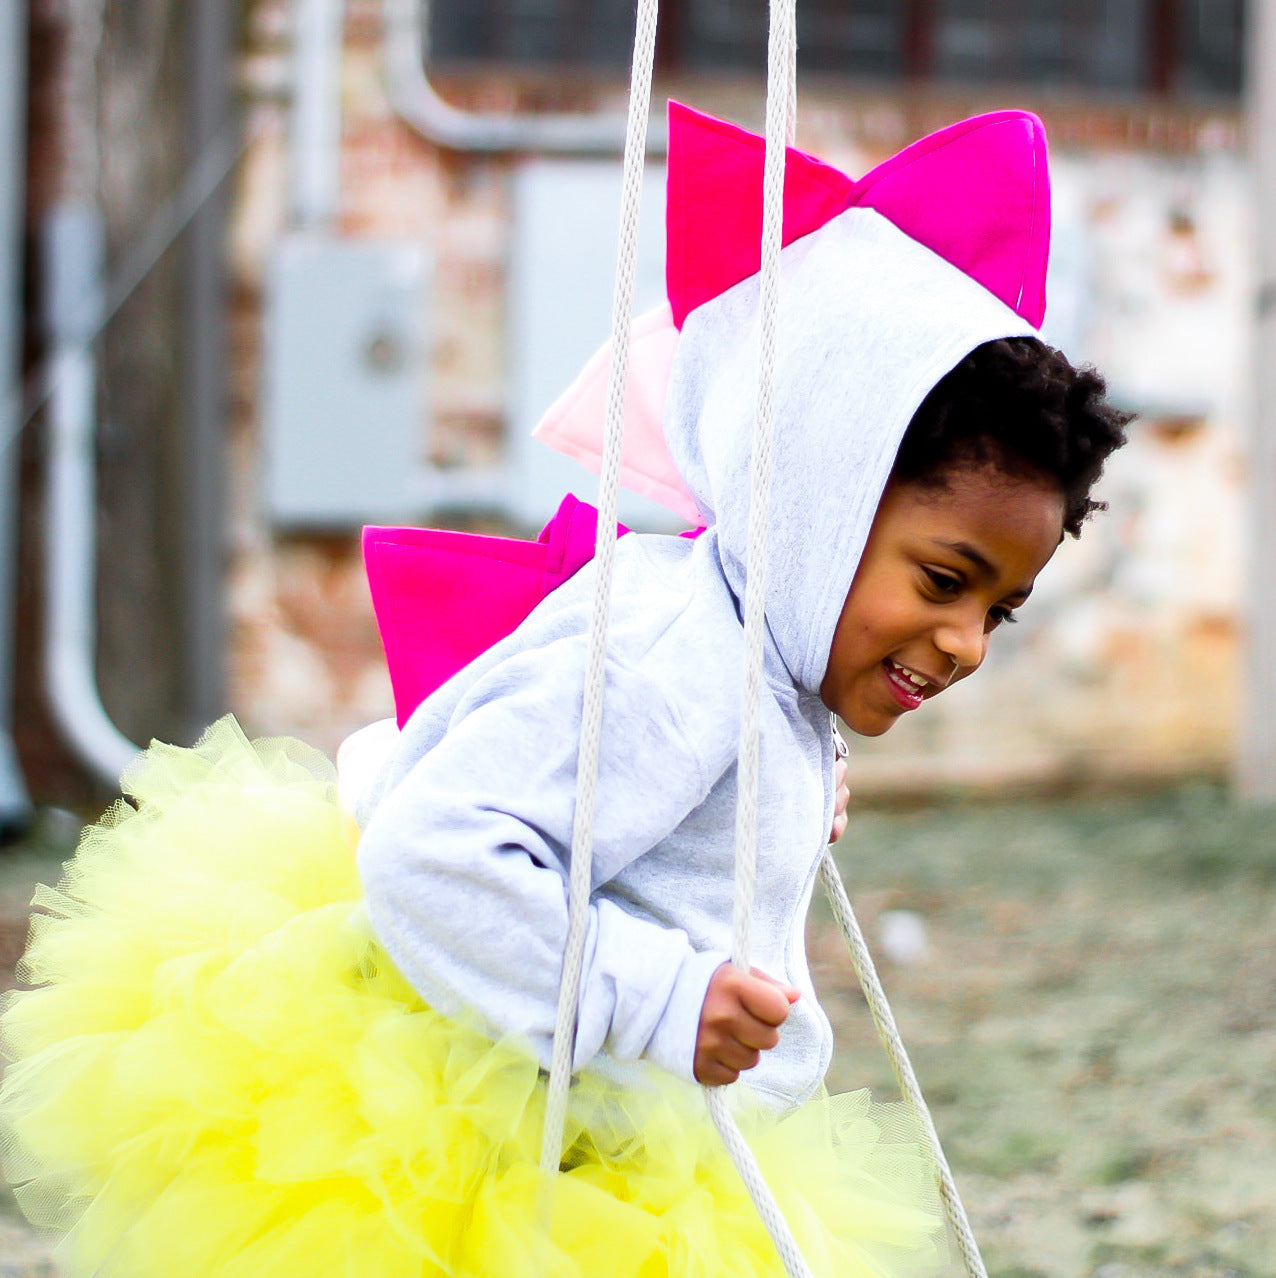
869 321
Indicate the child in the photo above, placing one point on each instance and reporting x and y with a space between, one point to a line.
226 1069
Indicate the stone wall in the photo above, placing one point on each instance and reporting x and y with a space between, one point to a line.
1124 664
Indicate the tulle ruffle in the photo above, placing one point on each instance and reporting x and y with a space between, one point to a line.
219 1074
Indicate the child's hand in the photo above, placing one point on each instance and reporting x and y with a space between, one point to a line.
842 798
740 1019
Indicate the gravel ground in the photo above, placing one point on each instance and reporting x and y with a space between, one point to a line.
1088 990
1093 1021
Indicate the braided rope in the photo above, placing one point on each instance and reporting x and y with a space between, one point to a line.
780 130
582 853
781 114
781 76
909 1088
763 1199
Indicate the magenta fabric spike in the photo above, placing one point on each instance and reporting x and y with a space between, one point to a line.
443 598
977 193
714 205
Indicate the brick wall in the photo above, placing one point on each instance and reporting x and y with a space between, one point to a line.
1124 665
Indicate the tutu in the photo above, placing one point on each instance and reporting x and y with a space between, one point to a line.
220 1073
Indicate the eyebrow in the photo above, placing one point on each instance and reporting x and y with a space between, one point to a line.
982 564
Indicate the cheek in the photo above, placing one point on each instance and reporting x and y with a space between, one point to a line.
859 643
895 618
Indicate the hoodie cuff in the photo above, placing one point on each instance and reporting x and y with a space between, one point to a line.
672 1045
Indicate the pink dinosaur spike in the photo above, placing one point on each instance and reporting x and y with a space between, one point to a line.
443 598
713 207
573 423
977 193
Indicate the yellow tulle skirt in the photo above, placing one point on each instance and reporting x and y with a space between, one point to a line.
219 1074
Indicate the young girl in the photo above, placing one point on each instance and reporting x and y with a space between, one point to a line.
245 1062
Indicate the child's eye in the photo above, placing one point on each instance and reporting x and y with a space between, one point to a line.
944 582
1000 615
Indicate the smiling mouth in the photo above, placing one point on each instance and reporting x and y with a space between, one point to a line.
908 687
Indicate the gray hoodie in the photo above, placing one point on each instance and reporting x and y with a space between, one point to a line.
467 813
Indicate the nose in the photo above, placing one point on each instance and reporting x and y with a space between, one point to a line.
964 641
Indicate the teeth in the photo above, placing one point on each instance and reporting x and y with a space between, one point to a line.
915 679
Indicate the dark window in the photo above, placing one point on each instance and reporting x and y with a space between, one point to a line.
1164 46
852 36
1211 46
594 34
1098 43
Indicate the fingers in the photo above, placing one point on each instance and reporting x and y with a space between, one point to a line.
765 998
841 799
724 1063
740 1020
714 1074
735 1055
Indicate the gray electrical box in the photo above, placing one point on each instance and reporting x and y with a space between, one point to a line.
562 275
344 381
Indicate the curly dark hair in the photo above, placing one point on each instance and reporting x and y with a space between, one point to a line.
1019 405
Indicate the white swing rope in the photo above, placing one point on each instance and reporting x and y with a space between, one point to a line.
781 107
780 124
905 1079
582 852
780 130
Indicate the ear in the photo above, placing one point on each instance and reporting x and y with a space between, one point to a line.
977 193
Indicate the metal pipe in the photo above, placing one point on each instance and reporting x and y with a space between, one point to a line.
416 100
201 534
73 265
1256 761
15 805
317 31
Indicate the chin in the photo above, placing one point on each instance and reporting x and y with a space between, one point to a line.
868 725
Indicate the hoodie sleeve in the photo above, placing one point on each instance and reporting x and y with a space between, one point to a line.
465 862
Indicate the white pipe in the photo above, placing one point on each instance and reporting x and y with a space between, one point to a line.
1255 771
73 249
317 34
15 804
415 99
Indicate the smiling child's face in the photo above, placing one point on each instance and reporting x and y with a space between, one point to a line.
943 567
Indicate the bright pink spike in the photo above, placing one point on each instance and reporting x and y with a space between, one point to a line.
714 205
977 193
443 598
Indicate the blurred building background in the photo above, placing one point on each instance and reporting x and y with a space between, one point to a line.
364 320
